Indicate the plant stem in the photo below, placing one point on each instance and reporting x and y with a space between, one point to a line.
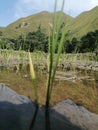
47 117
34 118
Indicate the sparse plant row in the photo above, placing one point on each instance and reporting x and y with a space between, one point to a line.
11 57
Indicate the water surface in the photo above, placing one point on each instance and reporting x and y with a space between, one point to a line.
80 86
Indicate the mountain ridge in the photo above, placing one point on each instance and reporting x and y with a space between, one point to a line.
78 26
84 23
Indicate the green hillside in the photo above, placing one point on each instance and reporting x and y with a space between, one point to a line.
31 23
77 27
85 22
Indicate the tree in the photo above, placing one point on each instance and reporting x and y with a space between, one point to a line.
68 46
74 43
88 42
37 40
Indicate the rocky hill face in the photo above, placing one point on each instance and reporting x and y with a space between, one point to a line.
77 27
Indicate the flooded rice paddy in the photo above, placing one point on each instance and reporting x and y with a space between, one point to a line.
79 86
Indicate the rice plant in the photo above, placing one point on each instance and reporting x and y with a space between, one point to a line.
52 66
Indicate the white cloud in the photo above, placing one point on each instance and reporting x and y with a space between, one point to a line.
73 7
94 2
25 7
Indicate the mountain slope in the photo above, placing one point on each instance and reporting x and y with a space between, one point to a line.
85 22
31 23
77 27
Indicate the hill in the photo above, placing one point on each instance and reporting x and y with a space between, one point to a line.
31 23
77 27
84 23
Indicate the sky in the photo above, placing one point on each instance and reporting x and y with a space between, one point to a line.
11 10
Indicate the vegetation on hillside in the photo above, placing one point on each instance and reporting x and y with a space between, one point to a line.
87 43
38 40
77 27
31 33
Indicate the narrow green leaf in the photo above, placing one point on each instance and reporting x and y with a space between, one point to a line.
53 44
59 23
57 58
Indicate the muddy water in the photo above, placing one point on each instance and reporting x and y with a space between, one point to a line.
81 87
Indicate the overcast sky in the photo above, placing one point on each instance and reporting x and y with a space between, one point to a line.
11 10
